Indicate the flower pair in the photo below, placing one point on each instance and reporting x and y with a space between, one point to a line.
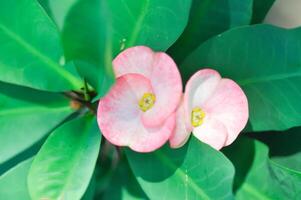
146 107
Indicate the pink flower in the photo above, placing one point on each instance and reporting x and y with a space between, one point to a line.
214 109
139 110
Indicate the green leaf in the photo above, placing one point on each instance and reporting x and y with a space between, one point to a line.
63 167
207 19
30 48
265 61
195 171
284 149
26 116
260 10
60 9
258 177
123 185
45 5
13 184
57 10
90 192
107 27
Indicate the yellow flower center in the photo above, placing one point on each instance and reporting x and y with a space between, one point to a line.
197 117
147 101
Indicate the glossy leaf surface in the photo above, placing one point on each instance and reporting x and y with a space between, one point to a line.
210 18
26 116
195 171
30 48
63 167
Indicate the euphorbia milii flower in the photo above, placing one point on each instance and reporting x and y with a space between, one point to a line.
214 109
139 110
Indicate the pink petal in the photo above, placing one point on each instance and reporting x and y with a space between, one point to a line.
181 133
229 105
163 74
149 139
119 116
137 59
211 132
198 89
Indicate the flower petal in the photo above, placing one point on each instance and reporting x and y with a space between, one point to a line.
149 139
198 89
163 74
119 116
118 112
137 59
229 105
167 85
181 133
211 132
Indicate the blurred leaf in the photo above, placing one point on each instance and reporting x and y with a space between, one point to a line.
292 161
90 192
26 116
107 27
21 156
105 167
195 171
283 147
265 61
13 184
260 10
123 185
30 48
263 178
57 10
63 167
60 9
207 19
45 5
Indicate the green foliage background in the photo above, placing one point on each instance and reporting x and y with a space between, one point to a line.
55 63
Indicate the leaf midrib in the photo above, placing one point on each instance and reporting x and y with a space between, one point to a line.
46 60
76 159
31 109
138 24
274 77
249 188
183 175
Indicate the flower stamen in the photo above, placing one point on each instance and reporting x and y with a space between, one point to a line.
197 117
147 101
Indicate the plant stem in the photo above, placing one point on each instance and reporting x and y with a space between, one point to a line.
86 91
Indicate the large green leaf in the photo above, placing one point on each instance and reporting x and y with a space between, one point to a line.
283 147
195 171
13 184
123 185
63 167
30 48
266 62
90 192
209 18
45 5
57 9
60 9
258 177
107 27
26 116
